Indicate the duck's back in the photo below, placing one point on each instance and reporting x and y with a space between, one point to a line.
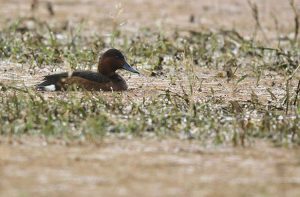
83 79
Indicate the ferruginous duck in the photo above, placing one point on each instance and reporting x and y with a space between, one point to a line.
106 79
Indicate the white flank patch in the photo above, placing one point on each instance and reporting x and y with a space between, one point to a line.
50 88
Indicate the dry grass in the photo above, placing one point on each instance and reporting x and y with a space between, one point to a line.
214 98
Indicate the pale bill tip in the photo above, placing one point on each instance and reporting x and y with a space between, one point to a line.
126 66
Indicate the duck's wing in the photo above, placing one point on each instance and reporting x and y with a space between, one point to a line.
92 76
55 81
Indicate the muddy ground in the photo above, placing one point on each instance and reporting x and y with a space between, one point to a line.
33 166
134 14
38 167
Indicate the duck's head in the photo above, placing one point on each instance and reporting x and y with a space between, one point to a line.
113 60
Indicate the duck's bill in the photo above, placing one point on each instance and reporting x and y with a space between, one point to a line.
126 66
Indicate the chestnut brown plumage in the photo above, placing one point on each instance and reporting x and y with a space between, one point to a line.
105 79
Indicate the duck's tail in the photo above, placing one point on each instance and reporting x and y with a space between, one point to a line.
51 82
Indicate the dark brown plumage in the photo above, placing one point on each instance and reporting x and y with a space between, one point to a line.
105 79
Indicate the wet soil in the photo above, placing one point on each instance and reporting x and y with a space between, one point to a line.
36 167
276 17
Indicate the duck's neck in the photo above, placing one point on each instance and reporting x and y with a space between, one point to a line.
106 71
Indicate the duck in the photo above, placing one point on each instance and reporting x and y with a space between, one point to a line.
106 79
